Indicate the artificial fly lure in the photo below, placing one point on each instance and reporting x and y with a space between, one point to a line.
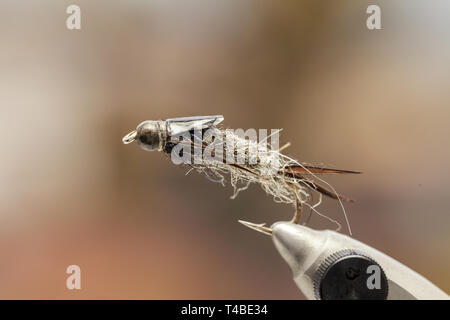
282 177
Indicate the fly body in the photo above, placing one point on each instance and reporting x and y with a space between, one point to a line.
244 161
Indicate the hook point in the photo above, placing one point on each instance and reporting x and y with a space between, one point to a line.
258 227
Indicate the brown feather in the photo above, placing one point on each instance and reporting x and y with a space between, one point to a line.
295 169
318 187
326 192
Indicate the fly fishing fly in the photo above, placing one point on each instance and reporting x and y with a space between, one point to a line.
220 153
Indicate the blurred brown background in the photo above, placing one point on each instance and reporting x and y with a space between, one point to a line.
72 193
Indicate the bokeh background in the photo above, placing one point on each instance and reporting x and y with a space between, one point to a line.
72 193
